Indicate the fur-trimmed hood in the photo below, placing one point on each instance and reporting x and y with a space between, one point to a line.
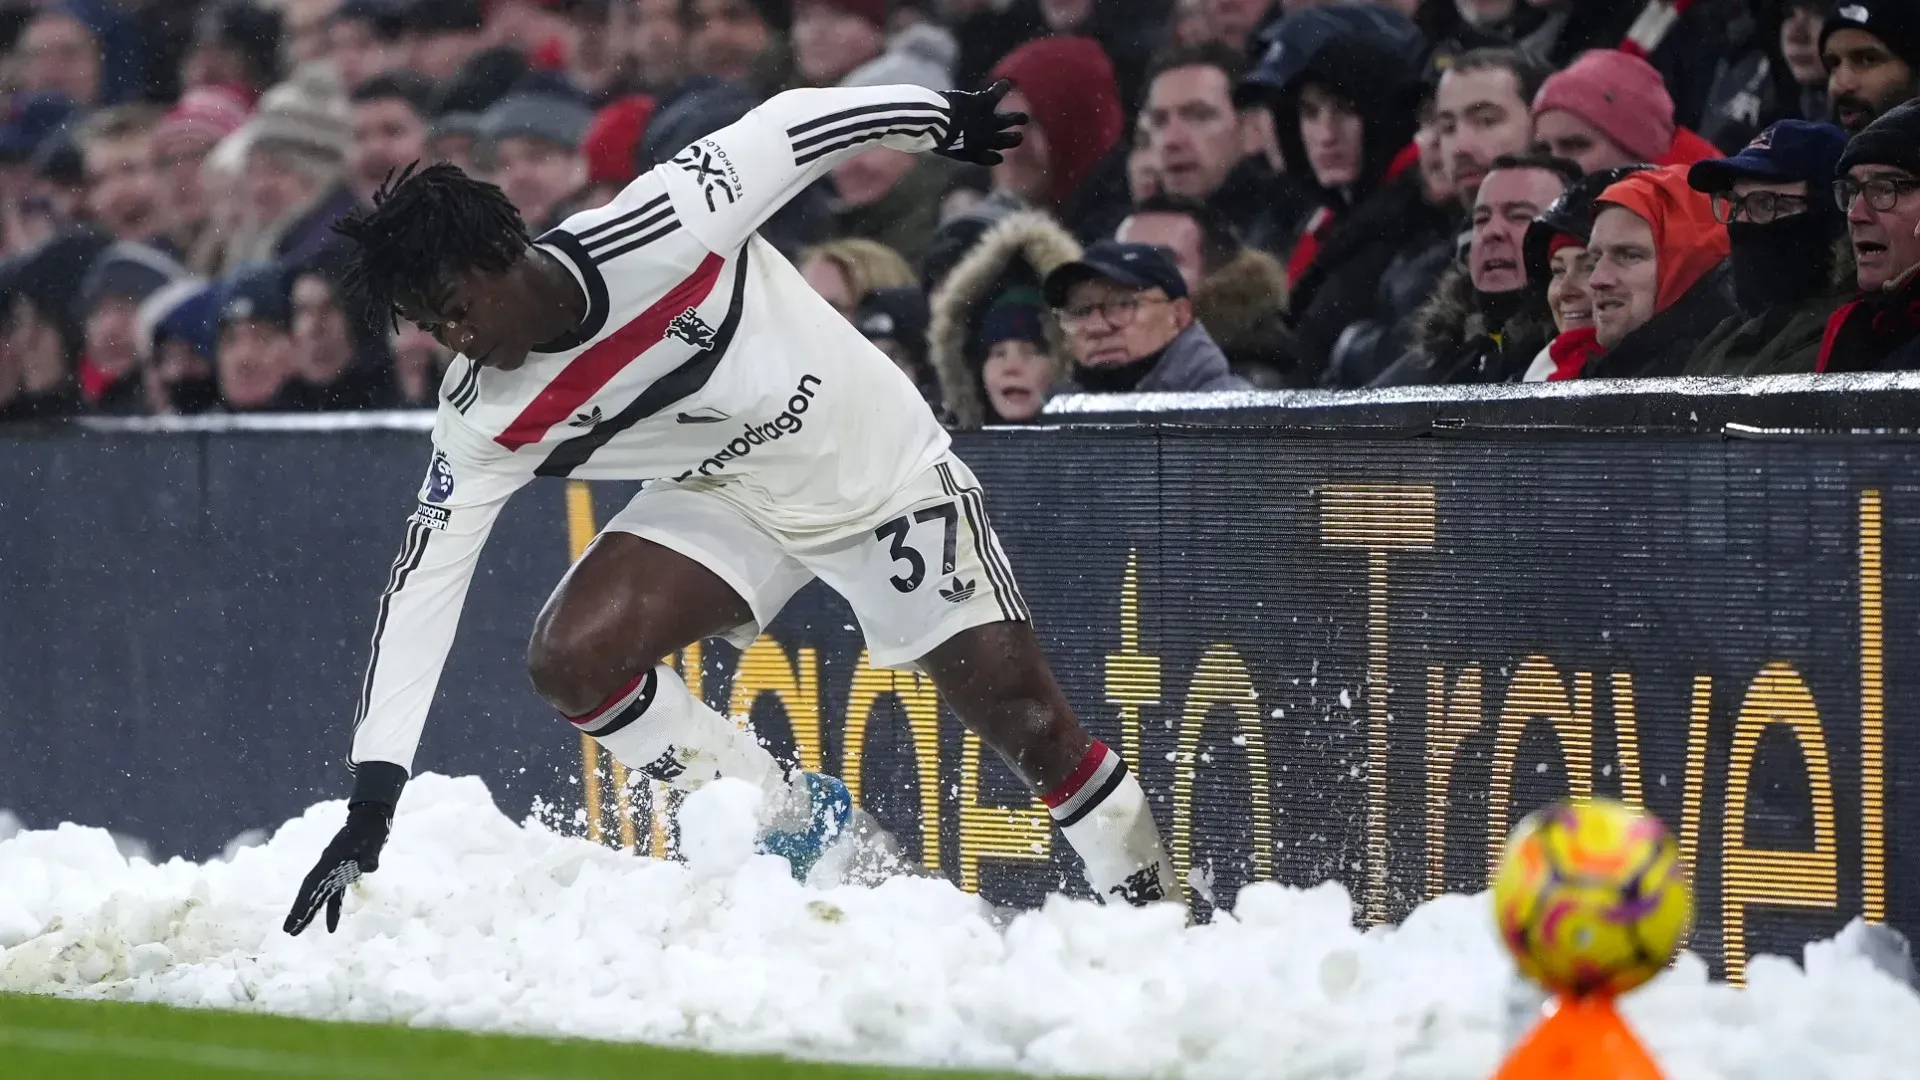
1233 301
1452 318
1019 249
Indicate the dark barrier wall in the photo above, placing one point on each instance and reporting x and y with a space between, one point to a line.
1329 657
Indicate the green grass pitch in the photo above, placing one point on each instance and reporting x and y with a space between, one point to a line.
79 1040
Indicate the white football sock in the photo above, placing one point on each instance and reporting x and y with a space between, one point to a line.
655 726
1104 813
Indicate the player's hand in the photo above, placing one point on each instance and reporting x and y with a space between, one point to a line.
355 850
979 131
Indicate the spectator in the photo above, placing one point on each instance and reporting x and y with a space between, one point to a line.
1127 31
451 138
1239 293
1345 123
45 332
236 45
1130 325
895 320
1204 146
1556 249
1775 198
442 35
119 281
1487 321
56 193
1071 163
702 105
843 271
182 142
364 39
60 54
419 366
1004 269
612 148
339 363
116 147
1684 47
305 30
31 120
1610 109
1482 106
531 144
833 37
1767 75
920 53
1880 188
254 358
1237 24
1659 278
295 184
890 196
389 128
177 332
741 41
657 44
1872 52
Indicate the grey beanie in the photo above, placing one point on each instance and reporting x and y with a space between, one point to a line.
546 117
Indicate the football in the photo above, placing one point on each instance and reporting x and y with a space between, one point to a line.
1591 897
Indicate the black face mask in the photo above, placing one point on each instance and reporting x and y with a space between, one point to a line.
192 396
1782 263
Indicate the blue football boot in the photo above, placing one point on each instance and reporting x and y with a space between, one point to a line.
832 809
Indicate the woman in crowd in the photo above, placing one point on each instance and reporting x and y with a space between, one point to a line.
1555 254
843 271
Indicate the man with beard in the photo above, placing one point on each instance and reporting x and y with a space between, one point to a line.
1783 226
1872 52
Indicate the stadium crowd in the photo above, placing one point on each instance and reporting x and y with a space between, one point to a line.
1211 194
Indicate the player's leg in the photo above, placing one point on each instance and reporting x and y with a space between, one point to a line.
933 589
672 569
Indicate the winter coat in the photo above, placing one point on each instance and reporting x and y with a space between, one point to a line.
1366 349
1339 286
1190 364
1243 305
1264 208
1868 332
1020 249
1455 343
1780 341
906 217
1664 345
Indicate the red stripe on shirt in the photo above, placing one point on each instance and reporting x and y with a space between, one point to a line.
597 366
1083 772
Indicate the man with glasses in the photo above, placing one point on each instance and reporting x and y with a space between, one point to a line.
1785 233
1130 325
1879 188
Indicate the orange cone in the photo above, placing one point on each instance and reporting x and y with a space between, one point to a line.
1584 1039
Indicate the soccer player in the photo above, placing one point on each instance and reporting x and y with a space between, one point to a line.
659 338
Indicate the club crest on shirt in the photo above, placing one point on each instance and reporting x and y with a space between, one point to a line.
439 479
688 327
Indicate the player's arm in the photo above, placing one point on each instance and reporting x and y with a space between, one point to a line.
725 185
413 631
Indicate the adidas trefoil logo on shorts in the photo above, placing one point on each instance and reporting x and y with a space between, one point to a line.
957 591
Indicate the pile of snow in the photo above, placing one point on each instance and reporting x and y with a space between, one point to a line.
476 922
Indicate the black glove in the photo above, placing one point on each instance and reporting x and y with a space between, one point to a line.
976 131
355 850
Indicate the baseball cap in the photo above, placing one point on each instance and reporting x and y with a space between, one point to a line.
1137 266
1789 150
258 293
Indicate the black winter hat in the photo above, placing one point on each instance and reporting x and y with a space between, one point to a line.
1893 139
1569 215
246 28
1895 22
50 276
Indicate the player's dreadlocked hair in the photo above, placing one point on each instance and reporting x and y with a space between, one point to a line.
425 225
